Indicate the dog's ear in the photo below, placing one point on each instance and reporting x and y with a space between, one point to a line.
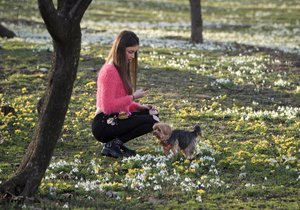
154 127
166 129
169 129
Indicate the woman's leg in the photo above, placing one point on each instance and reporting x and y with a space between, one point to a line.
124 130
99 126
136 125
136 132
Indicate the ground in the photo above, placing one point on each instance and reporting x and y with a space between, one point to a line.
241 86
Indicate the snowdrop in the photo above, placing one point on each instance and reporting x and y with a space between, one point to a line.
66 206
199 198
89 185
281 83
157 187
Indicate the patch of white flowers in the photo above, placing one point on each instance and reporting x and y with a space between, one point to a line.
89 185
247 113
178 63
282 83
220 81
156 173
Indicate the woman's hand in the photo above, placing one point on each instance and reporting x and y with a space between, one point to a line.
152 109
145 107
139 93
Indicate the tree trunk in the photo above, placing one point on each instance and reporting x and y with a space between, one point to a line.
6 33
66 33
196 21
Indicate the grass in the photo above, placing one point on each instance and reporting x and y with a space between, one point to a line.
242 86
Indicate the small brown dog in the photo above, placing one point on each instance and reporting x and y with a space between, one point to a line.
176 140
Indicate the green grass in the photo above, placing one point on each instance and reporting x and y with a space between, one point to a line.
245 97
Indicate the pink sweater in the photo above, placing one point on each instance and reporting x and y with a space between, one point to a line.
112 97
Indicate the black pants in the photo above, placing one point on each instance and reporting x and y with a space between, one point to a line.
137 124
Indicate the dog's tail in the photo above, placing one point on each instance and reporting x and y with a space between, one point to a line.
197 130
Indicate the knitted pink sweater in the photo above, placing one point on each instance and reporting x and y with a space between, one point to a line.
111 94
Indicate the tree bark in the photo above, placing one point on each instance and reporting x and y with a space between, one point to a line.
63 25
196 21
6 33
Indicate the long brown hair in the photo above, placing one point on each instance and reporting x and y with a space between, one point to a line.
117 54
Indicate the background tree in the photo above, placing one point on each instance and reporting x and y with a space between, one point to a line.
5 32
196 21
63 24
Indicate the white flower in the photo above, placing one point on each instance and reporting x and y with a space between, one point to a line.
75 170
249 185
242 175
199 198
157 187
281 83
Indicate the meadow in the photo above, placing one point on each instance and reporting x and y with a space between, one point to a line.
242 86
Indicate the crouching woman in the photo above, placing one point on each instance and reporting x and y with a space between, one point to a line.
118 117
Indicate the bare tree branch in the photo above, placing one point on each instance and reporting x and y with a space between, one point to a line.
47 10
79 9
50 16
5 32
60 4
66 6
74 8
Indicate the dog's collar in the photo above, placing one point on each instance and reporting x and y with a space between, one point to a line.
168 146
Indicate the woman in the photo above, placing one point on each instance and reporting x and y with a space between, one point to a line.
118 117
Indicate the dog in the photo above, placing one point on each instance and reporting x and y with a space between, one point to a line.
176 140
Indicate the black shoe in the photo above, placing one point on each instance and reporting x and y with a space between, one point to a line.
112 149
127 152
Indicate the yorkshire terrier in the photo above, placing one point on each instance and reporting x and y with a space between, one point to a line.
176 140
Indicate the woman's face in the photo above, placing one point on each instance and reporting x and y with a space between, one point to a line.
130 52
